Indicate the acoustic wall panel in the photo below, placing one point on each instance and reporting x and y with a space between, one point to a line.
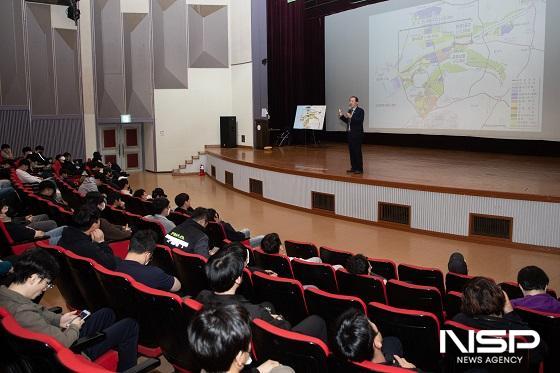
14 128
169 19
138 62
59 135
108 50
40 51
13 89
208 36
67 71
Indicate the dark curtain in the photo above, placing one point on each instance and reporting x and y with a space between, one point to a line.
286 61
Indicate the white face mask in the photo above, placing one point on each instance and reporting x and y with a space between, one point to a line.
62 159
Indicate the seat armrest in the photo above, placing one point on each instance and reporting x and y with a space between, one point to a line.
145 366
86 342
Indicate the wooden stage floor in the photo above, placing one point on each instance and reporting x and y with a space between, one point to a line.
487 174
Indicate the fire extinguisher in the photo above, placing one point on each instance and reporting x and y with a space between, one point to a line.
201 171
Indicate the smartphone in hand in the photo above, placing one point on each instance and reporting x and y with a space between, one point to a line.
84 314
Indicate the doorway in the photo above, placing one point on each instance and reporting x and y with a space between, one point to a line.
122 144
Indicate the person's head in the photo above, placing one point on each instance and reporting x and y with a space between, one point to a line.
142 246
123 184
5 147
161 206
457 264
96 156
158 192
24 164
532 279
482 296
220 337
33 273
358 264
356 338
140 193
96 199
271 243
213 216
224 271
68 156
238 248
59 157
4 207
87 218
26 151
182 200
47 188
39 149
115 200
353 101
108 173
200 215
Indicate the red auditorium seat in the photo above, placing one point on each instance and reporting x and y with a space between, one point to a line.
456 281
339 365
119 248
453 353
115 216
190 272
422 276
166 317
285 294
548 327
65 281
162 257
8 246
246 288
512 289
332 256
384 267
415 297
137 206
35 352
177 218
83 272
417 330
300 352
319 274
120 294
330 306
274 262
303 250
453 301
367 288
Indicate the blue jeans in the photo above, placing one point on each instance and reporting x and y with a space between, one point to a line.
54 235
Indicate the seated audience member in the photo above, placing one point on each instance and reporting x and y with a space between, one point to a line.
96 162
533 282
26 153
109 178
115 200
33 274
86 239
111 231
68 164
189 236
41 222
141 193
90 184
231 233
48 191
358 264
224 271
6 152
158 193
183 202
457 264
357 339
29 230
135 264
161 208
124 187
271 244
39 158
57 164
23 174
220 340
486 306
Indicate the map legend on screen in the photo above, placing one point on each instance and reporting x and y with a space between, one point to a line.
525 103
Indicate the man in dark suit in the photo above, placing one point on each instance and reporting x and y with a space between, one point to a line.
354 120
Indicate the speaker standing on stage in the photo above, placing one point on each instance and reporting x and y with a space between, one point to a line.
354 120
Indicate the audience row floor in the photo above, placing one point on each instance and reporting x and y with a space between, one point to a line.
498 262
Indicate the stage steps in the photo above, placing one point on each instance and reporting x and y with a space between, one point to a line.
191 166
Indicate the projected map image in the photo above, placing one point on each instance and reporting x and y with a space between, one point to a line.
474 65
310 117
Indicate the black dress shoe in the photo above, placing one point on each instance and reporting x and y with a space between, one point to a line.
358 172
350 171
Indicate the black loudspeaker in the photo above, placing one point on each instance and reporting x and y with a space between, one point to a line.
261 135
228 132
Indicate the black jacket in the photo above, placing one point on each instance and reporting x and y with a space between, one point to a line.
81 244
232 234
256 311
356 123
189 236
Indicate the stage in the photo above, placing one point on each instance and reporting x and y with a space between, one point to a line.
441 188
